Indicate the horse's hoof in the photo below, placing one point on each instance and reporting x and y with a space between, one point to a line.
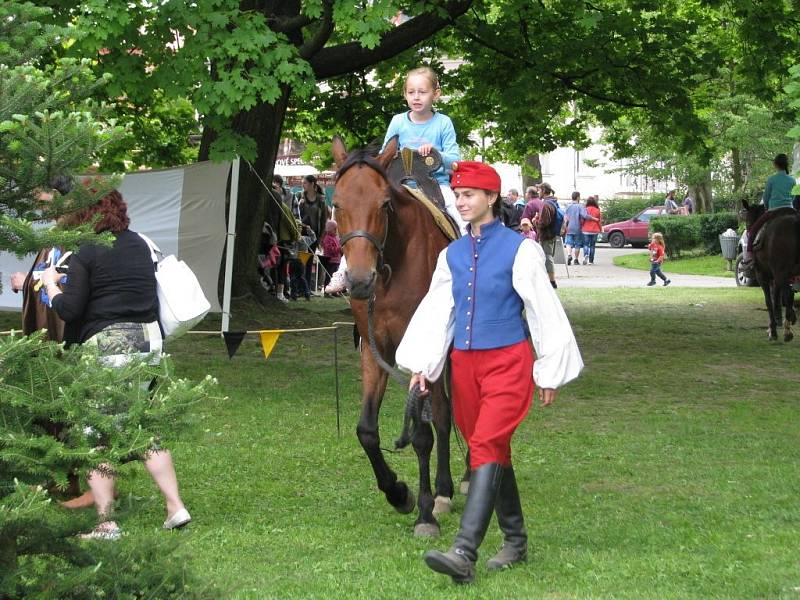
409 504
788 337
463 488
426 530
442 505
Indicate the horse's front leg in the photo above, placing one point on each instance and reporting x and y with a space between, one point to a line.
373 388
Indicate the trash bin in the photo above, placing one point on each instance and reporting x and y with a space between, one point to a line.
729 242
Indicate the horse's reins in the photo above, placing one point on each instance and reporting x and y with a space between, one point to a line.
415 411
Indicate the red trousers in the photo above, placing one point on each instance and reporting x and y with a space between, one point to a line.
492 391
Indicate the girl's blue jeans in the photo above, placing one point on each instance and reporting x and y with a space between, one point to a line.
589 242
655 269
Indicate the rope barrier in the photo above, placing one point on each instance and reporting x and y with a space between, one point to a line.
331 327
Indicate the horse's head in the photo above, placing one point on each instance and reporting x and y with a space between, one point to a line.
362 199
750 212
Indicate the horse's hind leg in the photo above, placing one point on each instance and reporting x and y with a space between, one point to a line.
777 308
788 303
443 500
772 332
374 386
464 485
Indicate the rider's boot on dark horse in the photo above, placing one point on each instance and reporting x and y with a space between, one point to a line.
459 561
509 517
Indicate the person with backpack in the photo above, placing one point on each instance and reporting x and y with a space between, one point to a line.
548 228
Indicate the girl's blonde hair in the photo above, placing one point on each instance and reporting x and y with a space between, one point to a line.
425 72
658 239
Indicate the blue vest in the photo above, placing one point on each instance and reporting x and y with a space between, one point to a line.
488 311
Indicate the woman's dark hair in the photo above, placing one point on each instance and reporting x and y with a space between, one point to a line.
313 180
546 189
591 201
112 210
782 162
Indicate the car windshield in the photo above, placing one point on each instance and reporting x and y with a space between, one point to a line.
648 214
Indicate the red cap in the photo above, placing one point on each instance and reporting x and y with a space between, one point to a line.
468 173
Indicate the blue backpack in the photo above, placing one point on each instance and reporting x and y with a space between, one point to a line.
558 218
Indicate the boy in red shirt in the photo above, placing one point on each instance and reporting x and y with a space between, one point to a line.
656 248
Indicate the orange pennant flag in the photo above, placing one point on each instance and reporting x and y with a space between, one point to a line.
304 257
268 340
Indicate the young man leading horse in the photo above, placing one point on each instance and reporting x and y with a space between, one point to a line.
475 303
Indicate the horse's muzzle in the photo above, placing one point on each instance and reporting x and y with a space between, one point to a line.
361 286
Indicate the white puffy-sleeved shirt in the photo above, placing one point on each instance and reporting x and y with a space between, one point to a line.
447 312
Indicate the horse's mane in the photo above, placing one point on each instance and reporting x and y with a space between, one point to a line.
367 158
361 157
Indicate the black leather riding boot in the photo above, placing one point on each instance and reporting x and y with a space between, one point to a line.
509 516
459 561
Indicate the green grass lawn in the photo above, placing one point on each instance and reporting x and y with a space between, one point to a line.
689 265
668 470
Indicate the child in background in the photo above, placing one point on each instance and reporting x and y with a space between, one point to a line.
526 229
421 128
331 250
656 249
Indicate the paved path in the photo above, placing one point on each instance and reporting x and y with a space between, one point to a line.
603 273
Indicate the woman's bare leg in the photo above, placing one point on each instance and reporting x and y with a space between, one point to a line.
159 464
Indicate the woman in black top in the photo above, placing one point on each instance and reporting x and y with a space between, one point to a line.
110 300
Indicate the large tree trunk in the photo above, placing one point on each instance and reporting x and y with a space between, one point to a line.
738 175
701 192
263 123
532 163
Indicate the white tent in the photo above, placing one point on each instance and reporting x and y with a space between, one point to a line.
182 210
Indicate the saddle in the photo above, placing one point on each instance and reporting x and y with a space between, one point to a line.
415 172
787 211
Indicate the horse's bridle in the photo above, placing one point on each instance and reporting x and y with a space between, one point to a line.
363 233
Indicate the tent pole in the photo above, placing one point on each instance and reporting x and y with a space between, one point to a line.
230 242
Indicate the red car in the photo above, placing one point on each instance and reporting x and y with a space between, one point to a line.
634 231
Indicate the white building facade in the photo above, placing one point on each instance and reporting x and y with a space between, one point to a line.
590 171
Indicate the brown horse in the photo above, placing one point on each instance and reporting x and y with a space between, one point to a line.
777 260
391 244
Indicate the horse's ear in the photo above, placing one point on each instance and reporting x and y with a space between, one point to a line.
385 157
339 151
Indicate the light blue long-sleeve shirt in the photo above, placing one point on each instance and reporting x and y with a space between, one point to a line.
778 191
437 131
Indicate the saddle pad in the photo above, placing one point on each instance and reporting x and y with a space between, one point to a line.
443 221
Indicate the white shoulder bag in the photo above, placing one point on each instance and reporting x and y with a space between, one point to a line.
181 302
